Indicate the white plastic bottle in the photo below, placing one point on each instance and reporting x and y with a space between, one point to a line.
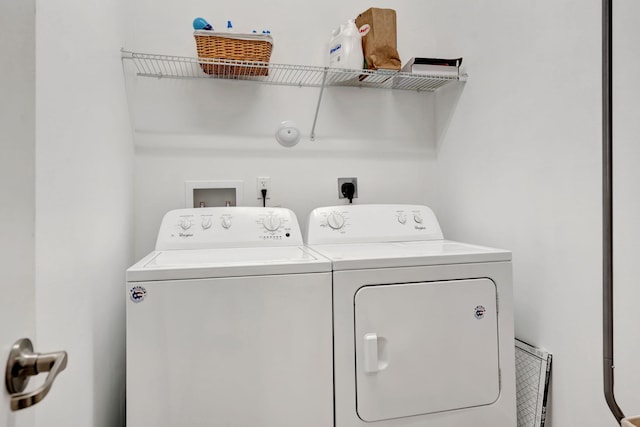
345 47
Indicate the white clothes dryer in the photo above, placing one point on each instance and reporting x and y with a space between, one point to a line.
423 327
229 324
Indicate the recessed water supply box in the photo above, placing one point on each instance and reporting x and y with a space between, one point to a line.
213 193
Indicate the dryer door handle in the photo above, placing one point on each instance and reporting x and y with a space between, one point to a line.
370 353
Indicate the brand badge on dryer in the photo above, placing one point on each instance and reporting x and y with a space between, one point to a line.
479 311
137 294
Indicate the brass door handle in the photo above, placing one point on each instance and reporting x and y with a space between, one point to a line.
24 363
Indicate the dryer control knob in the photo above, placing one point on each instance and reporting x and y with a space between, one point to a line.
185 224
402 218
335 220
271 223
417 218
225 222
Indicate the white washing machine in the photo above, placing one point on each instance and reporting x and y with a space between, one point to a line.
423 327
229 324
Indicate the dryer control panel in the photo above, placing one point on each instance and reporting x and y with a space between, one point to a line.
228 227
372 223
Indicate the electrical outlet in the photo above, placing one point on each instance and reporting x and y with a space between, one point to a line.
342 181
263 183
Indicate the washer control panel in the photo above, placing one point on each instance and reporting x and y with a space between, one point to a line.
372 223
204 228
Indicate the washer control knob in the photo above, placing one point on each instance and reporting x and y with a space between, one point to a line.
206 223
185 224
402 218
225 222
335 220
417 218
271 223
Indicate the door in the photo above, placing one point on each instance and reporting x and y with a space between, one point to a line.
17 261
17 302
17 195
17 245
425 347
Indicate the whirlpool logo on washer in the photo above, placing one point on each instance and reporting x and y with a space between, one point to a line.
137 294
479 312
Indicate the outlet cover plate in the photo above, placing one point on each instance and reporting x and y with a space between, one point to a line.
341 181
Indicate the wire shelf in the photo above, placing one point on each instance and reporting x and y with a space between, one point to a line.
179 67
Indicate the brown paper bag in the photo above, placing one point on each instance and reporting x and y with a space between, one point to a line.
379 43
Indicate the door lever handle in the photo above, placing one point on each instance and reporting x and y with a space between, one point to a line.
22 364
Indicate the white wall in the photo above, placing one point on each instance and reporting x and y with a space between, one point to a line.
213 130
84 159
521 168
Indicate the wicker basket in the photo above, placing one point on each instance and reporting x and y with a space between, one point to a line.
232 52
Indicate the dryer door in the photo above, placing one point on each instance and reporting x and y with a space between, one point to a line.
425 347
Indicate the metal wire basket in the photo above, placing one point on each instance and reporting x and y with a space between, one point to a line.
241 49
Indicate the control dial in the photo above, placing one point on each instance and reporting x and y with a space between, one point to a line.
206 223
417 218
402 218
271 223
335 220
185 224
225 222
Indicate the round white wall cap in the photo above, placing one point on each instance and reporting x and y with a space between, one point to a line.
288 134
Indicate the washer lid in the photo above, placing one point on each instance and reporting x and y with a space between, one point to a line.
230 262
407 254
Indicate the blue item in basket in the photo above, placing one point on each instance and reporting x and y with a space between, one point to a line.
201 24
